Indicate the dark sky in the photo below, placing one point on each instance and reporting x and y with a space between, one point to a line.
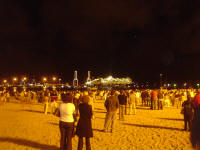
136 38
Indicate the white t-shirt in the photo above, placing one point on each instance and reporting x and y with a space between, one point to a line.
66 112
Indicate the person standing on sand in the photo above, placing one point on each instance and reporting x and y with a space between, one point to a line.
195 130
132 103
112 105
188 112
84 126
154 98
66 124
122 103
54 97
76 101
196 99
160 99
46 101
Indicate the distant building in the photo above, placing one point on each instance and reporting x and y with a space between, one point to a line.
109 81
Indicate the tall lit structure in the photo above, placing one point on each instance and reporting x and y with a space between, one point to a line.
75 81
89 78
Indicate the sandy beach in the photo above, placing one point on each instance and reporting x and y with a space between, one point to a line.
26 127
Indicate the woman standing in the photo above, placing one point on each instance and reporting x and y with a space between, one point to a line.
84 126
46 102
67 113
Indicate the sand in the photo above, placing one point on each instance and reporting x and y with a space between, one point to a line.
26 127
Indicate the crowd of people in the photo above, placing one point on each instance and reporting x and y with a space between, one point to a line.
75 105
125 102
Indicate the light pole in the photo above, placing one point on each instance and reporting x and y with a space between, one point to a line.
24 80
59 80
44 80
5 82
54 78
54 81
161 80
14 80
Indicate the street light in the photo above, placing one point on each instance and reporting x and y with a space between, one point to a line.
4 81
54 78
14 80
24 79
59 80
175 85
44 79
161 80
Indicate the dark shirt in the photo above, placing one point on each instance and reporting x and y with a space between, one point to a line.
160 95
112 104
188 107
122 99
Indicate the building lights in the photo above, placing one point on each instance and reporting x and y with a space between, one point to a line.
54 78
109 78
14 79
198 85
44 79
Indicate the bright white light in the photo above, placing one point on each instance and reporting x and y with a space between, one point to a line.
109 77
14 79
89 82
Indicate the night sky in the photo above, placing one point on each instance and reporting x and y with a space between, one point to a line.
135 38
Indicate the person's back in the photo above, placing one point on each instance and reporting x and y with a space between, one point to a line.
160 95
132 98
143 94
154 95
66 124
195 130
122 99
66 112
85 111
196 100
112 103
188 107
132 103
146 94
84 126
